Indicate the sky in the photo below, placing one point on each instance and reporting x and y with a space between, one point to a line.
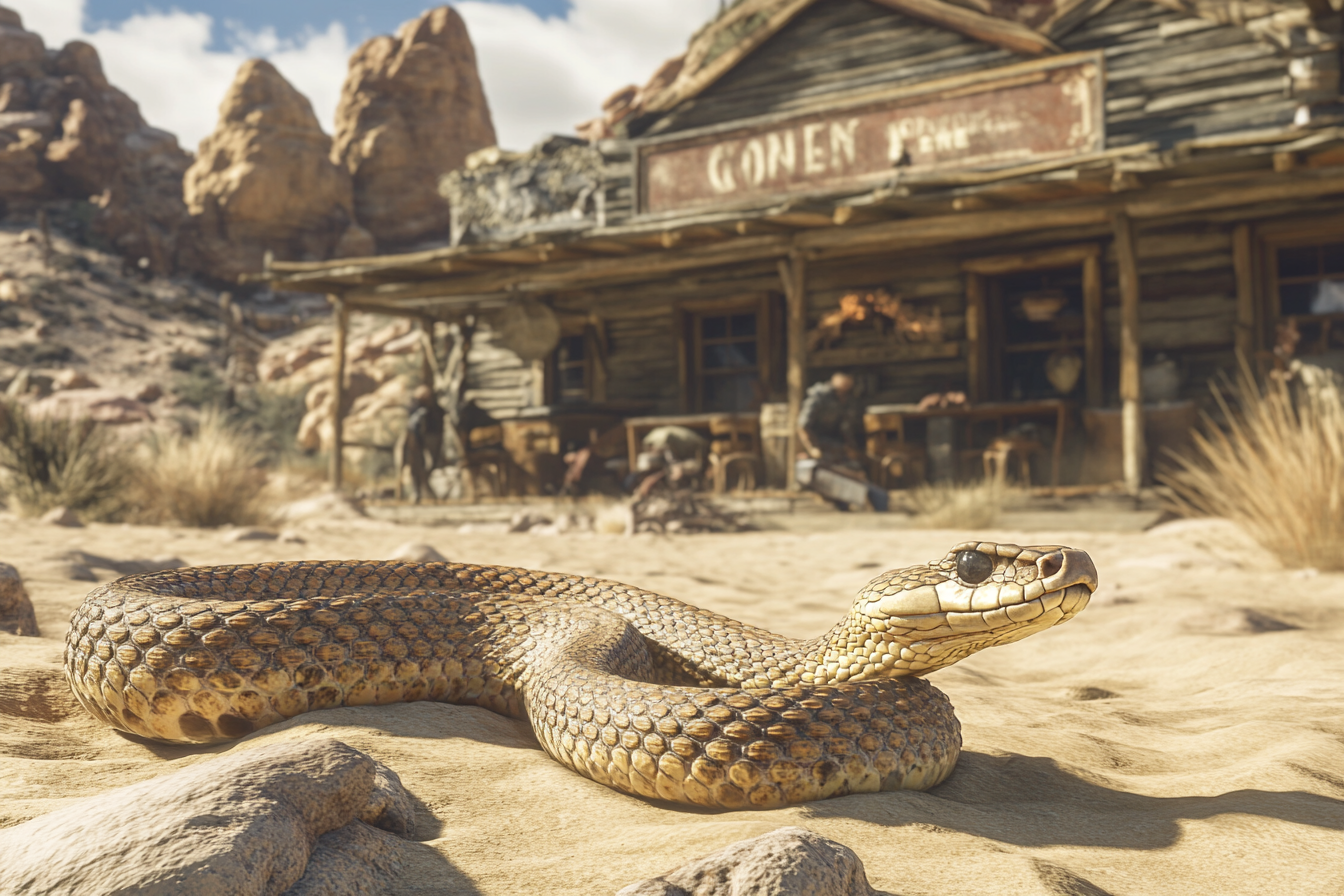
546 64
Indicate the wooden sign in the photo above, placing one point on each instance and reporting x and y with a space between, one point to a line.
1032 112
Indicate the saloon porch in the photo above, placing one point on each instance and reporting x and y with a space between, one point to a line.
1073 220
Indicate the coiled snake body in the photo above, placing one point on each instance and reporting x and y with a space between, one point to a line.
634 690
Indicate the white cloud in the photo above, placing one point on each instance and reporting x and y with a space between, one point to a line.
541 75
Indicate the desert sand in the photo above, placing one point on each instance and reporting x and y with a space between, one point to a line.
1183 735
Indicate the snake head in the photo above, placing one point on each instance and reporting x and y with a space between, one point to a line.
980 595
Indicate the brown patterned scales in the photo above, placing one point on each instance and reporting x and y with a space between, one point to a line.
637 691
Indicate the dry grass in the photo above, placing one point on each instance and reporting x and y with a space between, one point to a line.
945 506
213 477
50 462
1276 467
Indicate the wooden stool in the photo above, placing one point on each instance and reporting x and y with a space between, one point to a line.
735 441
891 456
996 458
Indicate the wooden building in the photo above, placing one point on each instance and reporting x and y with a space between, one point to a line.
1047 189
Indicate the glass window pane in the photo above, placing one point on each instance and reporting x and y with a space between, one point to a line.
736 392
571 349
1295 298
747 352
716 357
1328 297
744 325
1333 256
1299 261
713 327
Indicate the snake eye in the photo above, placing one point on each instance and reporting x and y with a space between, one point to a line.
974 567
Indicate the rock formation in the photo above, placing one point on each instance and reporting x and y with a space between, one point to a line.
294 818
411 110
65 132
16 609
263 181
790 861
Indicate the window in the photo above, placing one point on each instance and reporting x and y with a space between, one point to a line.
1310 284
572 371
728 361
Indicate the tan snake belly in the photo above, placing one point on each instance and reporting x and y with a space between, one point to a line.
634 690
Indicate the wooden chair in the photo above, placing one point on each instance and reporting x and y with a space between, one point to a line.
734 441
892 457
486 460
996 457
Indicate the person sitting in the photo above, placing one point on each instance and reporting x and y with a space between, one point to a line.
830 434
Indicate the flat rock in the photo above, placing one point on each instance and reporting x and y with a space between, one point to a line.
284 817
16 609
61 516
251 535
327 506
417 552
791 861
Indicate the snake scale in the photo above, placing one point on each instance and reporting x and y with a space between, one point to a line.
634 690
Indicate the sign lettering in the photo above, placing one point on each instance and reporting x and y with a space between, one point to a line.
1051 111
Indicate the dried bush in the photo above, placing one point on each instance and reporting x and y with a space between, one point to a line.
48 462
212 477
1275 466
947 506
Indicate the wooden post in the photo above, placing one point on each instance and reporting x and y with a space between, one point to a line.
794 274
1131 355
1094 332
341 320
977 349
1245 271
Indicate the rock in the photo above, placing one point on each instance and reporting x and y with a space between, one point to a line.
791 861
417 552
71 379
263 180
289 536
260 821
65 132
525 520
99 405
16 609
327 506
11 290
149 393
250 535
412 109
62 516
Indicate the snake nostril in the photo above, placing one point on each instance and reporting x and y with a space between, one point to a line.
1050 564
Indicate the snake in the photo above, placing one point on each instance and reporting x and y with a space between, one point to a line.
634 690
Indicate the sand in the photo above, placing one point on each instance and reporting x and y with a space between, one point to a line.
1184 735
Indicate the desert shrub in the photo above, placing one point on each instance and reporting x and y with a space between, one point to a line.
1275 466
274 415
947 506
48 462
210 477
196 381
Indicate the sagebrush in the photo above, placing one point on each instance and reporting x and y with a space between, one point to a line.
49 462
210 477
1275 465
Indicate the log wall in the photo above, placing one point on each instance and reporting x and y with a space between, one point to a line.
1169 76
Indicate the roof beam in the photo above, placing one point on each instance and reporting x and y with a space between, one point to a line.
991 29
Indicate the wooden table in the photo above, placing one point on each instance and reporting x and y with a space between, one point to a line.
1000 411
636 428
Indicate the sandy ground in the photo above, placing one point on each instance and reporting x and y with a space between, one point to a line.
1183 735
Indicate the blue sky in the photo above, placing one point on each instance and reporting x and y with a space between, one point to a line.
293 18
546 64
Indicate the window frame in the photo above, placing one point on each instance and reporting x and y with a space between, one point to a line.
692 313
1313 232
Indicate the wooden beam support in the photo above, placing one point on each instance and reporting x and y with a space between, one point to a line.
990 29
1243 264
837 242
793 272
1131 355
1094 331
341 322
977 344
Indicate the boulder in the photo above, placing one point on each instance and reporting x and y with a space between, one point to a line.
418 552
791 861
263 180
16 608
65 132
412 109
62 516
98 405
296 817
